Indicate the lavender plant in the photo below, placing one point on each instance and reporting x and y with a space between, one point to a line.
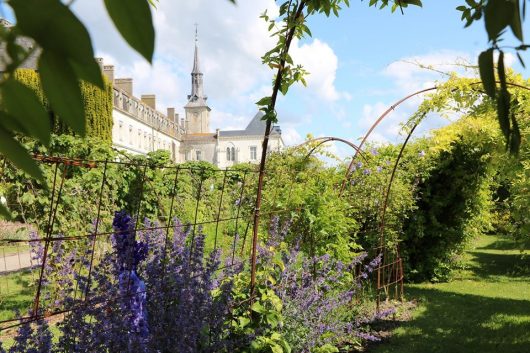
317 293
158 291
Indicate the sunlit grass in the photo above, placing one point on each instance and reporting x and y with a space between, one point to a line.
485 308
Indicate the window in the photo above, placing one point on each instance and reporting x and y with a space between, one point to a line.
130 135
228 153
253 153
198 155
233 154
120 131
139 139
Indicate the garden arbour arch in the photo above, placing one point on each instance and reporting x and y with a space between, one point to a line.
358 151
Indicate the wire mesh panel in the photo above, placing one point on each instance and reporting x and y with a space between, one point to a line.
63 260
69 231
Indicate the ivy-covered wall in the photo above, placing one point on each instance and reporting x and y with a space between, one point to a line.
98 106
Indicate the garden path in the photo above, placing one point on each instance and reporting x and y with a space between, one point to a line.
15 262
485 308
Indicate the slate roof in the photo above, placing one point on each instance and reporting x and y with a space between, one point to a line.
256 127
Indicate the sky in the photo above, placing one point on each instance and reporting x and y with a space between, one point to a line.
359 63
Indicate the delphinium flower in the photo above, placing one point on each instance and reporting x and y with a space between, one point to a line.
37 250
421 154
366 171
129 254
30 340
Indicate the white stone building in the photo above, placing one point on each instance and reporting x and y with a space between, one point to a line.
140 128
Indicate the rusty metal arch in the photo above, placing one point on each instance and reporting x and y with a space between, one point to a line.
326 139
398 260
392 108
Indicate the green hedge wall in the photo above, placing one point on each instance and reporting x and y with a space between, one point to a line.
98 106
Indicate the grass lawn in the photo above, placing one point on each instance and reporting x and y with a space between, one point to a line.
16 293
485 308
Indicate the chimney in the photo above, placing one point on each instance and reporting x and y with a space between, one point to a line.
183 124
171 114
176 118
150 100
108 70
125 84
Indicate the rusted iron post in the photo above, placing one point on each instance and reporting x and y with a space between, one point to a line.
276 88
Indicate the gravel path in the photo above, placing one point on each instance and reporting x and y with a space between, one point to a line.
16 262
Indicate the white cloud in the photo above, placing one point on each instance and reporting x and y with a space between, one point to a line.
321 62
290 135
421 71
228 121
407 76
232 40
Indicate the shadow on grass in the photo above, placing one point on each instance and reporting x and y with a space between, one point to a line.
457 323
505 243
488 266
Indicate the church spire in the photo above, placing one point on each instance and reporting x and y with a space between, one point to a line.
196 69
197 94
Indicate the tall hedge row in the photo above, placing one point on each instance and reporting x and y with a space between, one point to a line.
98 106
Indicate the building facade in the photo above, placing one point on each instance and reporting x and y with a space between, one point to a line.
140 128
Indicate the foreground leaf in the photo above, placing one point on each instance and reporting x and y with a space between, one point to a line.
57 30
498 14
487 72
18 155
25 110
133 20
60 85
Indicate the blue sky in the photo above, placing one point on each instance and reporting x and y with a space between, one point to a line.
359 63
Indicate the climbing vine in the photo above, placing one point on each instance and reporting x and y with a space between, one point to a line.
97 103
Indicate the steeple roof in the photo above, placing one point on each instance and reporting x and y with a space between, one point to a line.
256 127
197 98
196 69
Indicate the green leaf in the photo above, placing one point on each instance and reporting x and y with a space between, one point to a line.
264 101
413 2
515 23
487 72
276 348
515 136
461 8
62 89
4 213
56 29
501 71
22 104
498 14
18 155
133 20
503 100
243 321
257 307
520 60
